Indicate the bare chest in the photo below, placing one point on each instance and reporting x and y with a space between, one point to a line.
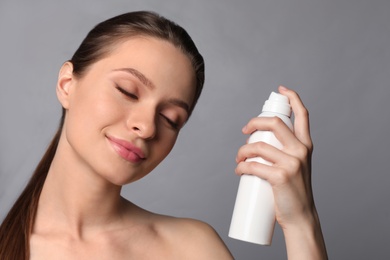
100 249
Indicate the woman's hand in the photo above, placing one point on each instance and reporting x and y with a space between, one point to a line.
289 176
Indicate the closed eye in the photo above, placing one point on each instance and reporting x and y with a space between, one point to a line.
173 124
126 93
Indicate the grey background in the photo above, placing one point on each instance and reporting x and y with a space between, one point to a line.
334 53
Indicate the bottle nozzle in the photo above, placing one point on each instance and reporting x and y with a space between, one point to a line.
277 103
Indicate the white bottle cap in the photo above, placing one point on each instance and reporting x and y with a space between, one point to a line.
277 103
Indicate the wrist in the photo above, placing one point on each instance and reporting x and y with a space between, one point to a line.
304 239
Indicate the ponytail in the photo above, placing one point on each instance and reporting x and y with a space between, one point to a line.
17 226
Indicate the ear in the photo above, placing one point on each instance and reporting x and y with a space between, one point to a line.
64 84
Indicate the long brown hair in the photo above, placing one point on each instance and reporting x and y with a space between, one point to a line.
17 226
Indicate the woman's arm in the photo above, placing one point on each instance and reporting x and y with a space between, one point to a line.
290 178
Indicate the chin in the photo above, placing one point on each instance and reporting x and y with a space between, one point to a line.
124 179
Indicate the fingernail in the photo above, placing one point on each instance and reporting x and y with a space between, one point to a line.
283 88
244 128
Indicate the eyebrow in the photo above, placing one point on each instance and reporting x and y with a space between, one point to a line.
141 77
144 80
180 103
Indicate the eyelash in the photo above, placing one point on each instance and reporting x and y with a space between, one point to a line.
171 123
127 94
135 97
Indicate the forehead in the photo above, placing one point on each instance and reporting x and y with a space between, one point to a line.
159 60
149 51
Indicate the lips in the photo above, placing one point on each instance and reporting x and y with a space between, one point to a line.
127 150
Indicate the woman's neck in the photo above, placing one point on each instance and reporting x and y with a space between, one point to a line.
77 200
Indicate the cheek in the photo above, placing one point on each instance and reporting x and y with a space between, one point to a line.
167 141
89 114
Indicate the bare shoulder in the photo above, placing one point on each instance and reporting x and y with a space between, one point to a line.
167 237
193 239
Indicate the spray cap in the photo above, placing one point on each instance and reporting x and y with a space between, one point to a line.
277 103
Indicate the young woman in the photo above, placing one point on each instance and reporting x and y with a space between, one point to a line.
127 91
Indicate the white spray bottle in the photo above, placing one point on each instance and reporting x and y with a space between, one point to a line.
253 217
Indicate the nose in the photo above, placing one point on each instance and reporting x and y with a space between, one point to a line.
142 121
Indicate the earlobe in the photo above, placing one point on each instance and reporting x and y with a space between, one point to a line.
64 84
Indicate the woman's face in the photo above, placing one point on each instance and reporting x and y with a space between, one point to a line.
124 115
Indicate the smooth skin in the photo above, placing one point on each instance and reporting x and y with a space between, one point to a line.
81 214
140 94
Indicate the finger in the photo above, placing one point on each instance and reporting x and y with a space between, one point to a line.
263 152
301 123
274 124
257 169
276 176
